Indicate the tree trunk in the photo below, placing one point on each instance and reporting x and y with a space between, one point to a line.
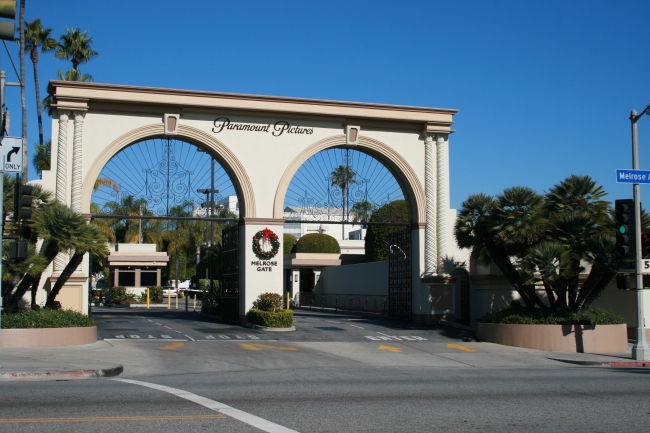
39 106
22 89
49 250
72 265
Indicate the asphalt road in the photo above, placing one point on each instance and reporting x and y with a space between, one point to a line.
336 373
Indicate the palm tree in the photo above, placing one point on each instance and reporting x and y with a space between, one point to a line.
42 157
362 211
59 228
130 206
75 46
37 36
342 177
89 239
22 88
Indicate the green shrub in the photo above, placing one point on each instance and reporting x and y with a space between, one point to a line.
210 303
289 241
155 295
377 236
271 302
281 319
45 318
120 295
520 315
317 243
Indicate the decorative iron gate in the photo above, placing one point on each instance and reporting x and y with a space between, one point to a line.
230 274
399 274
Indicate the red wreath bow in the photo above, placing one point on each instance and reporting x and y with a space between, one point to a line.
266 234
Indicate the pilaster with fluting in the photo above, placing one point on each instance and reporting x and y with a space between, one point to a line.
62 178
442 151
430 181
77 145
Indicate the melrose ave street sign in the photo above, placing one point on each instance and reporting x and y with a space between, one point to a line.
633 176
11 152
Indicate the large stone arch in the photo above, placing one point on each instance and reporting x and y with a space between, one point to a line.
404 174
226 158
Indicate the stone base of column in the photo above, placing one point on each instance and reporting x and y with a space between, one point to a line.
257 275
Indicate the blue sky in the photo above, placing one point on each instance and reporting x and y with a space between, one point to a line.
544 88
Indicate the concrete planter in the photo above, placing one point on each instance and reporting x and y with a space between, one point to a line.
557 338
47 337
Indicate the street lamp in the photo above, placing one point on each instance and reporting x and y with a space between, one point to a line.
640 350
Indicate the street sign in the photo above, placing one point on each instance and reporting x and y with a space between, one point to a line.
11 154
630 267
632 176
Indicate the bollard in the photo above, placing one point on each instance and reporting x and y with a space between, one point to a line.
195 302
288 301
177 299
169 298
147 297
187 295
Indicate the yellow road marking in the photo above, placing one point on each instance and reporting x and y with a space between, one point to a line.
461 347
356 320
251 346
171 346
390 349
107 317
114 418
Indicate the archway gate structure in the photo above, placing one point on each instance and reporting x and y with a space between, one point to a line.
261 141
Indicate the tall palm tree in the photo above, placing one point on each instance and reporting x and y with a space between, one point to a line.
42 158
75 46
22 88
38 36
130 206
343 176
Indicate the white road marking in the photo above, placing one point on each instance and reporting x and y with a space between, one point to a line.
178 331
189 337
209 337
237 414
167 327
357 326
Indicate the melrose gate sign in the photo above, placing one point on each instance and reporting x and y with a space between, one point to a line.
92 122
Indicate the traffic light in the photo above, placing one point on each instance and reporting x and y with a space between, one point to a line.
625 225
8 28
22 201
645 244
623 281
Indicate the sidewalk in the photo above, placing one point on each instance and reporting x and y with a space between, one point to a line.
58 363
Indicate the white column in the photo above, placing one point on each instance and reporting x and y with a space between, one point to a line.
430 181
76 162
442 155
62 178
62 160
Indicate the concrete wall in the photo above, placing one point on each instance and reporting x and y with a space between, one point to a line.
361 279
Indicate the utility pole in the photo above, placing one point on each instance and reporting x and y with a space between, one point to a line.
640 350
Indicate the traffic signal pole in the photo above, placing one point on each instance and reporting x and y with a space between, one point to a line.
640 350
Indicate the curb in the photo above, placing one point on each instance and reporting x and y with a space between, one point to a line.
616 364
455 325
269 329
63 375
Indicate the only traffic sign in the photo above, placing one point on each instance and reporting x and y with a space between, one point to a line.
11 154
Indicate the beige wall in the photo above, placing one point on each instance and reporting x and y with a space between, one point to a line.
361 279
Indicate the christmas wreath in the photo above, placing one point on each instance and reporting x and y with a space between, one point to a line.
266 235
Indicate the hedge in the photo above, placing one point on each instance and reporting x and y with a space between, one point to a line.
289 241
281 319
45 318
524 316
317 243
377 236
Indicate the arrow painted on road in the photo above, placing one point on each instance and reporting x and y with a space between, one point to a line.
460 347
171 346
390 349
250 346
12 151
